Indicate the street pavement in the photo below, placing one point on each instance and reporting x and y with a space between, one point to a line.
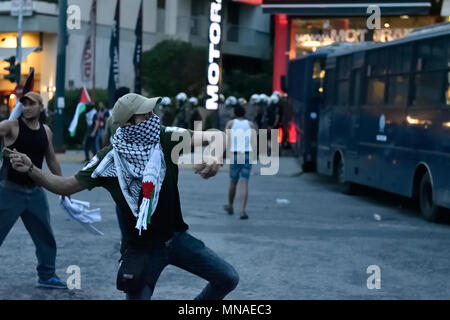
316 245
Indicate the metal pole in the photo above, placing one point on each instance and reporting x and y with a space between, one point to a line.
93 43
19 41
58 135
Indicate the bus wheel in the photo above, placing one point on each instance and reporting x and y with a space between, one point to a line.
430 211
339 173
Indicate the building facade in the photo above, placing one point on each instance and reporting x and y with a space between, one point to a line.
246 36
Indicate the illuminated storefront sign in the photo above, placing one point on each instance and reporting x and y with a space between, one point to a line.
307 35
351 35
214 56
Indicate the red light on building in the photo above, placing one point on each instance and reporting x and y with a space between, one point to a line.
282 19
280 135
252 2
292 131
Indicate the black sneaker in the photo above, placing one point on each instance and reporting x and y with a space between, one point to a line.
228 209
52 283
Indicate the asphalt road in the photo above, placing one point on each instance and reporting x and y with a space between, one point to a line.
318 246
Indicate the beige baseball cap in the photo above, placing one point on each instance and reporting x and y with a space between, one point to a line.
131 104
33 96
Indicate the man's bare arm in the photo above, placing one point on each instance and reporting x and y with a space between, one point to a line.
50 156
56 184
5 128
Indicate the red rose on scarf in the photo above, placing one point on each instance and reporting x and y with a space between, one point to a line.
147 189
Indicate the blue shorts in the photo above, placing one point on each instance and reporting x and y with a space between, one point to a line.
240 170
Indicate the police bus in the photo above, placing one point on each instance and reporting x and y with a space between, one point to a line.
305 77
385 120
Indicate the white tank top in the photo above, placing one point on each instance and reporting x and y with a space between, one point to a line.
240 136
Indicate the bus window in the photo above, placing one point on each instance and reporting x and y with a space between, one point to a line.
431 55
378 63
343 83
344 67
319 69
375 91
318 77
396 60
406 58
428 89
447 92
343 91
448 51
398 90
356 86
330 87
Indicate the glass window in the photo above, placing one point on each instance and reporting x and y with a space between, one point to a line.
447 91
342 93
372 62
379 61
383 62
161 4
344 67
319 69
375 91
398 91
356 87
330 86
406 58
198 8
432 54
395 60
448 51
428 89
400 59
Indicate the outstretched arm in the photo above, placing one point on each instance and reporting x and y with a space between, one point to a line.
210 164
56 184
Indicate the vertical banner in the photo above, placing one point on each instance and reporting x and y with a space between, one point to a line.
138 52
214 55
113 81
87 57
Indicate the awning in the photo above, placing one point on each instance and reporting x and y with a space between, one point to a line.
6 53
329 8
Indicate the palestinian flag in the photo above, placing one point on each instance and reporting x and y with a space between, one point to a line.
20 91
81 107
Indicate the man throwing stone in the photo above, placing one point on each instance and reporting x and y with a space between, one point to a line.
141 176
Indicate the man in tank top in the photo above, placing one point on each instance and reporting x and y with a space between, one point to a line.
20 196
240 140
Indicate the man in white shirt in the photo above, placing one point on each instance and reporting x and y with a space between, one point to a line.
239 131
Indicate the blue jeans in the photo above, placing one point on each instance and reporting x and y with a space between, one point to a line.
90 145
31 205
99 139
190 254
241 167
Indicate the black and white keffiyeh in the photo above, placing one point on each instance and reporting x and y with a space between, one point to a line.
137 161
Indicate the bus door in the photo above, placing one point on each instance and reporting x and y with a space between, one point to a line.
354 109
396 165
372 139
324 154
